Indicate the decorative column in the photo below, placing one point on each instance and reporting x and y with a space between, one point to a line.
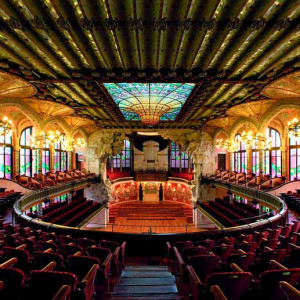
189 164
261 162
121 163
231 158
111 164
169 157
16 162
51 157
40 161
180 165
70 160
249 160
284 157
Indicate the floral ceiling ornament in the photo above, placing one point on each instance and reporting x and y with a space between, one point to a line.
293 128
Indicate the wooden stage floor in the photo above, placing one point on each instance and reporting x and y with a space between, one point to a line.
146 217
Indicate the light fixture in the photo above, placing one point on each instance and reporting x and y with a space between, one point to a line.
6 126
227 145
262 142
294 128
38 141
70 145
247 137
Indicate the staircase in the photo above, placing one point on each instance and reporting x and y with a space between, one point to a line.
151 211
146 282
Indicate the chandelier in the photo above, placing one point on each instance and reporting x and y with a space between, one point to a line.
262 142
5 126
39 141
227 145
294 128
247 137
73 144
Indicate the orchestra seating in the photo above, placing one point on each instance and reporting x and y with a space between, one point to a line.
71 214
42 265
233 213
259 265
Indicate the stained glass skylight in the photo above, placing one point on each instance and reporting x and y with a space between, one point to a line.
149 102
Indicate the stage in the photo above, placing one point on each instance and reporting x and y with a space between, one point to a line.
148 217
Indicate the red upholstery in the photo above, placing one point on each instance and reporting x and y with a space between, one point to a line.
181 245
66 249
234 284
85 243
243 260
117 174
192 251
109 244
13 282
223 251
41 259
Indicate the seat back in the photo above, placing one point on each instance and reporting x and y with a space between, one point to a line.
223 251
234 284
80 265
85 243
247 247
41 259
21 255
45 284
192 251
208 244
243 260
183 244
100 253
66 249
13 280
269 281
109 244
203 264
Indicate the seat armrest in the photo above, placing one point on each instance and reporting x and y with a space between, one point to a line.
180 263
291 292
9 263
90 276
1 285
78 253
49 250
241 251
217 293
293 246
63 293
50 266
266 248
106 265
277 265
236 268
22 247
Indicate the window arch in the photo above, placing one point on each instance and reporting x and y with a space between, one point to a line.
60 155
126 157
295 156
28 156
240 155
272 157
6 156
176 158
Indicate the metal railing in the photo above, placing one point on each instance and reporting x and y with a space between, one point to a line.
28 200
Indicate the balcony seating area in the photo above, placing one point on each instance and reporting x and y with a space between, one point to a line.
42 265
259 265
231 214
185 174
117 174
71 214
263 182
40 181
292 199
7 199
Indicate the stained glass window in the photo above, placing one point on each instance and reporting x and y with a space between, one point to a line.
295 157
28 157
272 157
240 156
5 156
176 158
136 99
60 156
126 157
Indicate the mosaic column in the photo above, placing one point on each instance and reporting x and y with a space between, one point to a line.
40 161
249 159
70 160
52 157
16 160
261 162
121 163
284 157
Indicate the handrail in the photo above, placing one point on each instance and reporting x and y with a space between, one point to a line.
262 196
27 200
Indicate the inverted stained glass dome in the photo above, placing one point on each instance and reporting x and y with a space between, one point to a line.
149 102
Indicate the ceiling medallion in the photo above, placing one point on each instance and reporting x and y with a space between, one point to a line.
149 102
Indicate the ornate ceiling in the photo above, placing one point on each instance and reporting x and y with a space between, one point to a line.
235 52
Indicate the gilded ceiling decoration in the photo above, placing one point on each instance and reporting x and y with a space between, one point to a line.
78 122
222 122
49 109
12 86
251 109
287 86
69 49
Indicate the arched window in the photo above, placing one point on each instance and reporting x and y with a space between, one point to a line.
272 157
295 157
126 157
60 156
255 159
5 156
28 156
176 158
240 156
46 157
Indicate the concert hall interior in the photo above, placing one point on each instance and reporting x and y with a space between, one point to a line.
149 149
